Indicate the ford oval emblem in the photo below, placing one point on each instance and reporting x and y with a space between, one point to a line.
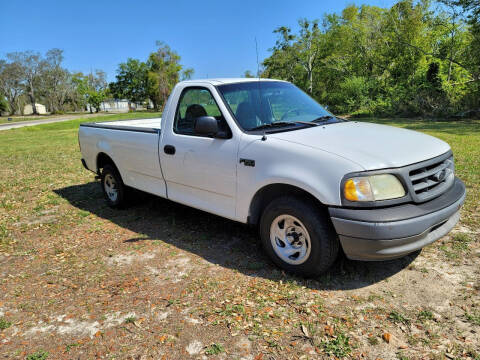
440 176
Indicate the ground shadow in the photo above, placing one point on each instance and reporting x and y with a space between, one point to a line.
218 240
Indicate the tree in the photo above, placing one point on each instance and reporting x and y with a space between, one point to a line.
164 72
138 81
283 64
92 88
472 58
54 81
187 74
409 59
131 81
248 74
11 86
308 48
31 64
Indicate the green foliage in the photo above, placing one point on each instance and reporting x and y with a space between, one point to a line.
411 59
132 81
474 318
425 315
154 79
92 88
3 105
130 320
4 324
339 346
164 72
460 241
214 349
397 317
39 355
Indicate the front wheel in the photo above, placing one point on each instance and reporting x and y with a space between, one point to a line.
298 236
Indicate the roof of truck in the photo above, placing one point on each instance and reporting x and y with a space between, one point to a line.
221 81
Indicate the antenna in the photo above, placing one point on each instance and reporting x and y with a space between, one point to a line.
264 137
258 65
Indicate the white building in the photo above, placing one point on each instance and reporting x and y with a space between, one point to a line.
28 109
121 105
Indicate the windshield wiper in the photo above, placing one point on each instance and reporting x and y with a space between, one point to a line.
322 118
281 124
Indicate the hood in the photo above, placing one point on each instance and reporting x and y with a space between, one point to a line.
372 146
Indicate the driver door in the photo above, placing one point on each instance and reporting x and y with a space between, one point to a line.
200 171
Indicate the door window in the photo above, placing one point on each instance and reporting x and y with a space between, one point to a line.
194 103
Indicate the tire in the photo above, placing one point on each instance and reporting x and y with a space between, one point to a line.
306 244
113 187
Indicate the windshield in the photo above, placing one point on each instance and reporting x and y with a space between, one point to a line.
267 104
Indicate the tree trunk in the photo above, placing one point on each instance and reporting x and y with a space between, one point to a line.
310 78
12 106
32 100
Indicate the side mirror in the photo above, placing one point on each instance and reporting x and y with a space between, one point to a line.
206 125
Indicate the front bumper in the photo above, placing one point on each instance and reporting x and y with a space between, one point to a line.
392 232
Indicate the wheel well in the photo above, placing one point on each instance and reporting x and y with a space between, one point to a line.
266 194
102 160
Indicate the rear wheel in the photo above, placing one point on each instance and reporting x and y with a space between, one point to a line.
298 236
113 188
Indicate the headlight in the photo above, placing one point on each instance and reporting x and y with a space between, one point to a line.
373 188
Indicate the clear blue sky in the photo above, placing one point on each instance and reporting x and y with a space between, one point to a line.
216 38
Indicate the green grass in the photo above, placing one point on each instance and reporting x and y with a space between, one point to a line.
4 119
4 324
130 320
339 346
37 160
18 118
425 315
214 349
474 318
397 317
39 355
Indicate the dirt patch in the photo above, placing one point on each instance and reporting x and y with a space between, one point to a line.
75 327
127 259
172 289
194 348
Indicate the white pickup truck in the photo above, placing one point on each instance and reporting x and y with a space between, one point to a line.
263 152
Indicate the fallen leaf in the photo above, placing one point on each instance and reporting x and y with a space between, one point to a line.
387 337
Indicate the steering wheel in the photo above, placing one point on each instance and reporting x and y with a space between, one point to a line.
295 110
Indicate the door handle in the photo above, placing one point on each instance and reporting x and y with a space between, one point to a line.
169 149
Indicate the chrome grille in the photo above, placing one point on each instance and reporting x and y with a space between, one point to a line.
432 179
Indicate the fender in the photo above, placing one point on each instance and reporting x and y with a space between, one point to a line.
316 172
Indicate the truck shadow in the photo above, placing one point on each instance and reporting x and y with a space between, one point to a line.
218 240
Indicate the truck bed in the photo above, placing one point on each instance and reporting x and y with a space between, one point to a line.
140 125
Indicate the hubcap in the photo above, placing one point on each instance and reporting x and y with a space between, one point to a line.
290 239
110 185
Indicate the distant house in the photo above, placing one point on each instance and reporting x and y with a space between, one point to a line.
121 105
28 109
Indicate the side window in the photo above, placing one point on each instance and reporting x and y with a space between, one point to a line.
194 103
